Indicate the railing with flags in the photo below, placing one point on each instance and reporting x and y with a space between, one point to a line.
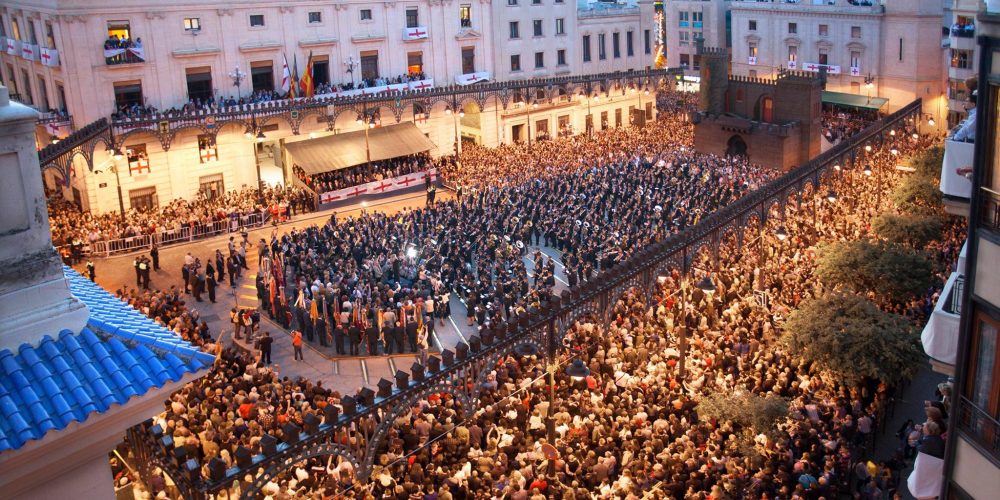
793 64
752 60
377 188
29 51
415 33
470 78
815 67
394 87
124 55
49 57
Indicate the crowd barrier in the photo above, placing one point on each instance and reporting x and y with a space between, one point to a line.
186 233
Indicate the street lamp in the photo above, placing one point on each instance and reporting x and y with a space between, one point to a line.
238 76
367 120
349 65
705 285
869 83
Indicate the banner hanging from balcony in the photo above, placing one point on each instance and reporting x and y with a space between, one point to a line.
13 47
135 51
49 57
29 51
380 187
416 33
470 78
814 67
378 89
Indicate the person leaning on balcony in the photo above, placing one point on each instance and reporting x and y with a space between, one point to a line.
967 129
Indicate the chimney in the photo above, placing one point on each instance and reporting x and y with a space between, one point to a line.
34 294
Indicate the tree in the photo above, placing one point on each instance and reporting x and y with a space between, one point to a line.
911 230
895 273
927 163
752 411
917 194
852 338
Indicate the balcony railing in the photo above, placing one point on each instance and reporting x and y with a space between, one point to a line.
940 336
991 209
127 53
956 169
964 31
980 426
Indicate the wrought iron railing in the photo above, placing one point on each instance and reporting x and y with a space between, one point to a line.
368 415
980 426
953 302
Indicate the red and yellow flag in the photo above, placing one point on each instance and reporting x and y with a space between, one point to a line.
306 84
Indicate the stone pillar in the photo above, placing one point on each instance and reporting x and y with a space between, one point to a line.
34 294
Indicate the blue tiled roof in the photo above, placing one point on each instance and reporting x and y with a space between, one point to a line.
119 354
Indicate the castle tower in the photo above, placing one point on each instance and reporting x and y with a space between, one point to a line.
714 78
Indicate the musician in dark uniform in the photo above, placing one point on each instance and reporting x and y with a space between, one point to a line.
397 337
354 335
338 337
373 334
320 326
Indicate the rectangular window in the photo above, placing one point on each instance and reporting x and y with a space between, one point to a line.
61 97
465 15
752 25
262 76
143 200
685 60
515 62
618 117
586 47
199 83
468 60
366 14
128 94
961 59
629 46
511 2
412 19
43 95
824 57
793 28
855 31
210 186
824 30
683 17
50 38
645 42
208 151
900 49
118 30
3 28
369 65
515 30
697 16
315 17
321 70
32 34
560 26
561 57
536 2
414 62
982 377
256 20
696 62
602 51
539 60
192 24
15 28
616 45
855 59
12 79
752 49
26 95
138 160
536 27
793 53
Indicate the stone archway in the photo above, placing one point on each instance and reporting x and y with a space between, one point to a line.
736 146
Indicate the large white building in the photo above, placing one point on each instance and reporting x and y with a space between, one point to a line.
963 55
891 49
688 20
57 59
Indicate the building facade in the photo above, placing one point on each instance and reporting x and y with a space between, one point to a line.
963 53
888 49
87 60
688 20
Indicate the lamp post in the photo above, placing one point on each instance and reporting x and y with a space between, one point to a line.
349 65
869 83
255 133
238 76
456 112
590 118
706 286
367 120
116 156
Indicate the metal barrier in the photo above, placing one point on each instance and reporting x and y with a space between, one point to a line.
184 234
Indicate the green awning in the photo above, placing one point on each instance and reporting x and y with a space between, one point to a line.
846 100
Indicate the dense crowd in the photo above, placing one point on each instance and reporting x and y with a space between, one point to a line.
362 174
73 227
629 189
168 309
839 124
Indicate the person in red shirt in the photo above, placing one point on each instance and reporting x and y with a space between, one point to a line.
297 344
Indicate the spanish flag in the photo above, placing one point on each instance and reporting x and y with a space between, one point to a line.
306 84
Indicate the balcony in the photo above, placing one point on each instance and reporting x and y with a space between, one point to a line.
981 427
956 171
118 52
963 30
990 217
940 335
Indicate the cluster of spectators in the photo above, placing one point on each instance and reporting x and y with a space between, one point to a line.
168 309
123 43
69 224
363 174
839 124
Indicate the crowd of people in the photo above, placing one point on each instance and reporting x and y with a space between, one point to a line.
362 174
839 124
74 228
169 309
631 426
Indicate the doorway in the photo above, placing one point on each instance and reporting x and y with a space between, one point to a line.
736 146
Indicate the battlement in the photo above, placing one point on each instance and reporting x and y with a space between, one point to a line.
799 76
756 80
702 50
